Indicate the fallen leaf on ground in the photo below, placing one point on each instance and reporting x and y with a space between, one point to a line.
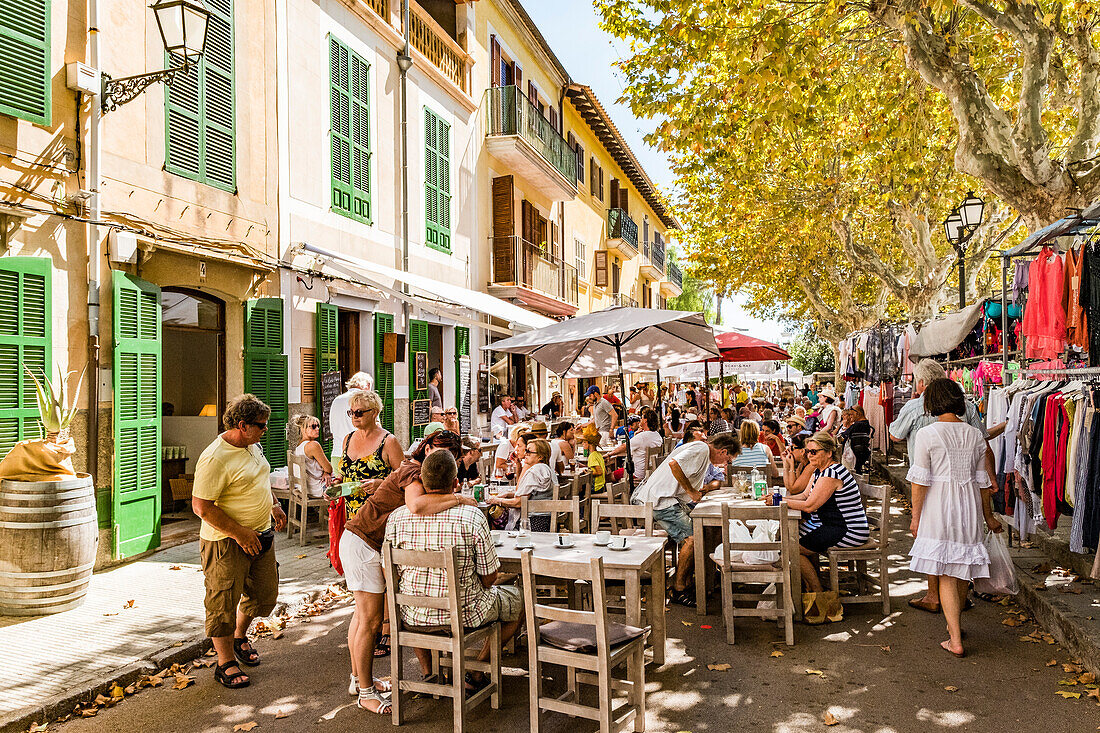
818 672
1073 668
282 714
104 701
1052 663
830 719
88 712
687 623
776 653
719 667
1029 639
299 557
117 691
245 726
277 635
705 626
175 567
36 728
1043 567
204 662
951 688
130 690
1067 695
111 614
1010 621
128 604
1068 683
1087 678
183 681
1094 693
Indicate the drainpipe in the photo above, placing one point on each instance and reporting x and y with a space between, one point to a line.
404 63
92 181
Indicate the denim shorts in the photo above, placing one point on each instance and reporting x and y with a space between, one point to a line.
675 521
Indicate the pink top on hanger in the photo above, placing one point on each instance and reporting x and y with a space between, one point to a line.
1044 324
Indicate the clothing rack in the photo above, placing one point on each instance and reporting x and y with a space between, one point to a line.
1067 370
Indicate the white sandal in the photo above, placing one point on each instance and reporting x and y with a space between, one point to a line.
379 685
384 705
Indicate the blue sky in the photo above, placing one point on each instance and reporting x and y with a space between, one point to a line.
588 54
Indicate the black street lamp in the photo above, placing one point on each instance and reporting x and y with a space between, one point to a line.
182 25
959 227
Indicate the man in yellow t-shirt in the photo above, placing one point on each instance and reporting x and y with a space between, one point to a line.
232 496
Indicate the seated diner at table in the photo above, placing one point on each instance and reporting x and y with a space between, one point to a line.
754 454
833 517
467 465
536 482
504 463
640 442
797 470
562 446
595 463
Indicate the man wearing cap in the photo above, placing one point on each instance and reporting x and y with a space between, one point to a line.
603 412
629 428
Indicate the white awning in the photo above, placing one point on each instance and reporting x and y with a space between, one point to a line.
455 294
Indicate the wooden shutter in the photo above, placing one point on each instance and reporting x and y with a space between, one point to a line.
600 171
349 112
519 77
437 177
136 493
463 393
327 334
645 229
579 152
25 77
616 273
614 203
532 93
593 184
494 61
25 340
418 341
307 368
200 141
265 371
528 214
600 274
554 117
383 373
624 199
504 228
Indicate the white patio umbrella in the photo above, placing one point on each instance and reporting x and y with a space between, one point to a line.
615 340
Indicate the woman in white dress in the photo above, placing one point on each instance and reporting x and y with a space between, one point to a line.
950 497
318 469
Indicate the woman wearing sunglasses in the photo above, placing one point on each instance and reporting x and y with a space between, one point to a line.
370 452
318 469
536 482
833 516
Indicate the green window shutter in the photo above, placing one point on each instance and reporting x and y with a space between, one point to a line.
462 351
383 373
418 341
25 335
137 426
437 181
266 372
327 349
349 108
200 140
25 59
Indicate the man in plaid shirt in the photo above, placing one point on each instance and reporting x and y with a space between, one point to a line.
462 527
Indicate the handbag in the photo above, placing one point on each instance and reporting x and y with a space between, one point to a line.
1002 574
337 518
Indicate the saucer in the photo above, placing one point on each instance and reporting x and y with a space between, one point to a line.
597 543
619 549
566 546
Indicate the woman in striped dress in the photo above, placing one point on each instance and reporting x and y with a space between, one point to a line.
833 516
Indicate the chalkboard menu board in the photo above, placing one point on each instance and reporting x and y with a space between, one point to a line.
421 370
422 412
464 393
332 384
483 390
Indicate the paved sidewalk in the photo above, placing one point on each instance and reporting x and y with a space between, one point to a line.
45 657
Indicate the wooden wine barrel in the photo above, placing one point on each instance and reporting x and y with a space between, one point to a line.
48 536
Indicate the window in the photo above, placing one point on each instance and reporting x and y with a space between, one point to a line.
25 73
579 258
596 179
199 143
349 105
437 181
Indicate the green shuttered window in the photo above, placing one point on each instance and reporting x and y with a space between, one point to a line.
383 373
137 426
266 372
349 99
437 181
199 143
327 350
24 341
25 59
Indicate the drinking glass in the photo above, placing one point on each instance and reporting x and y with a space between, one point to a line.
525 527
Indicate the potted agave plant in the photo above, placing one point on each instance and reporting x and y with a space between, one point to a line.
48 523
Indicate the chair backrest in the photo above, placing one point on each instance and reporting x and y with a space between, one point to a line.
394 559
876 497
296 474
653 458
670 443
748 514
619 492
583 483
538 570
572 507
632 516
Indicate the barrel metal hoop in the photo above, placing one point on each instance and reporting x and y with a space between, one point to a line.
7 589
49 573
55 496
49 525
59 509
45 602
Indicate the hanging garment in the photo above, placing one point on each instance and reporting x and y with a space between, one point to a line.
1019 281
1077 328
1089 298
1044 323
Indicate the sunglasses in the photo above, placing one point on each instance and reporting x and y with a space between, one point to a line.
358 413
314 426
444 436
813 451
531 452
260 425
451 412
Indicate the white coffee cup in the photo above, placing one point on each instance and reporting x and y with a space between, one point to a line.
496 535
618 542
524 541
564 539
603 537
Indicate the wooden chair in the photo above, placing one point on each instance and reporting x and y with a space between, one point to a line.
653 458
454 641
876 549
629 520
584 484
299 502
739 572
570 507
619 492
589 647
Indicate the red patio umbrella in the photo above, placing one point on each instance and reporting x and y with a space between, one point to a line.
742 347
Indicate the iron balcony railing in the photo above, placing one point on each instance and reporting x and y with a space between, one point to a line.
623 300
655 253
511 113
675 276
621 226
519 262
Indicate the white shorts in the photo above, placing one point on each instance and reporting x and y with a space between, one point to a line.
362 564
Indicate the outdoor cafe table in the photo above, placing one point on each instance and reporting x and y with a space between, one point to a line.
708 513
643 556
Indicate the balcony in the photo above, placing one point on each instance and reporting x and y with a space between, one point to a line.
444 52
622 234
673 284
653 260
523 272
623 301
522 139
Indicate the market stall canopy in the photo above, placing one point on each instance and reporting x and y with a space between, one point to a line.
943 334
735 346
694 372
646 338
1078 223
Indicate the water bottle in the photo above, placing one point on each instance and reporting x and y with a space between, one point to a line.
466 488
759 485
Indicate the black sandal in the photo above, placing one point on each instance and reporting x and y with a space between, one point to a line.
382 646
232 681
249 657
683 598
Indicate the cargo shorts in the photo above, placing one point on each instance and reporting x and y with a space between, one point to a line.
234 578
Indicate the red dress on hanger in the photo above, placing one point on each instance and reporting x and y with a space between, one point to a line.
1044 324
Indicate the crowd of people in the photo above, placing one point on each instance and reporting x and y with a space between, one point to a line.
413 498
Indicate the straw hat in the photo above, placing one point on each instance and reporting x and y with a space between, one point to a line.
797 420
539 429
